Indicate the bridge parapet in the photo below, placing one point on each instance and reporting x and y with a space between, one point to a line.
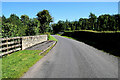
9 45
32 40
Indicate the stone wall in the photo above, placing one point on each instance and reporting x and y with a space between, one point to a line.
29 41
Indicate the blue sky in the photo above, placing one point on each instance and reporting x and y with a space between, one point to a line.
60 10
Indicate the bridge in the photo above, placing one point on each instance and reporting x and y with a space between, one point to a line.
67 59
10 45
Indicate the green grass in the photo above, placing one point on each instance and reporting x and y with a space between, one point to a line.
101 41
89 44
58 34
66 36
96 31
52 38
16 64
69 37
0 68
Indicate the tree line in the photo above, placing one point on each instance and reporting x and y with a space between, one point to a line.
25 26
104 22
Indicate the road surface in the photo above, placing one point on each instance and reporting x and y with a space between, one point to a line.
73 59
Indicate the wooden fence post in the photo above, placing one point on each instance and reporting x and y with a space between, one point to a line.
7 43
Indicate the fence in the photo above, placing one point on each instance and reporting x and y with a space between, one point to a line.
9 45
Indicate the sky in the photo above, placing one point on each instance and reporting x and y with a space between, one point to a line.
71 11
60 0
119 7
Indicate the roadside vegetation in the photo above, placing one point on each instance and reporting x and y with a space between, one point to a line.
51 38
95 31
0 68
102 23
25 26
16 64
106 41
102 32
65 36
0 27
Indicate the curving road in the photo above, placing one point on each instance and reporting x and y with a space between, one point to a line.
73 59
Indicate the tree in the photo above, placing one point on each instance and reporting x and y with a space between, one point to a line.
106 22
72 26
117 21
9 30
3 19
25 19
14 19
93 20
44 18
26 24
67 25
0 26
36 24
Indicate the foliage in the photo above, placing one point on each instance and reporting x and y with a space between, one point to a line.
51 38
9 30
25 26
0 27
44 18
0 68
92 20
104 22
107 40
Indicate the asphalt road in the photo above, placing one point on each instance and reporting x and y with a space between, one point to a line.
73 59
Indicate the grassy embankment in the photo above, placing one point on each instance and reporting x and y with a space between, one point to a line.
16 64
96 31
107 41
0 68
51 38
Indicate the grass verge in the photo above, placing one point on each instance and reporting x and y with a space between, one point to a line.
96 31
51 38
0 68
91 43
108 42
16 64
69 37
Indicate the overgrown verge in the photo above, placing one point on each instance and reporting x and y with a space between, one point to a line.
106 41
16 64
51 38
0 68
